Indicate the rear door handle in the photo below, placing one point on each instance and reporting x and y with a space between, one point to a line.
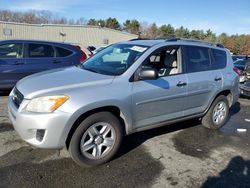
181 84
217 79
18 63
56 61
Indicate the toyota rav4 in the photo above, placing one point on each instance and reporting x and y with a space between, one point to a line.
127 87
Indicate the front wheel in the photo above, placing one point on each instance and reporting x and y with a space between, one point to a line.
218 113
96 140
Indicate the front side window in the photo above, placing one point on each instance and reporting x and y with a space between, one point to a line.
40 50
197 59
115 59
11 50
165 61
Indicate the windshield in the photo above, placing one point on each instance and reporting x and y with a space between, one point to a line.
115 59
240 62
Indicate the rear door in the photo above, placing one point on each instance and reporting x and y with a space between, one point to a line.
11 63
203 81
39 57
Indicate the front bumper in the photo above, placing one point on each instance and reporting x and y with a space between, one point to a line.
40 130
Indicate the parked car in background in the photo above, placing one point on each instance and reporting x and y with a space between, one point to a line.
125 88
245 89
91 49
99 49
243 64
20 58
237 57
247 67
240 64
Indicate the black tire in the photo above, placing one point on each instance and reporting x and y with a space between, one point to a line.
208 120
83 158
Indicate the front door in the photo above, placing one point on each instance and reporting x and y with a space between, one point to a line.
156 101
11 64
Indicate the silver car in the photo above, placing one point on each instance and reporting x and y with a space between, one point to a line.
127 87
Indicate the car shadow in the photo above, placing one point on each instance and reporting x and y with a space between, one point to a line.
132 141
235 109
236 174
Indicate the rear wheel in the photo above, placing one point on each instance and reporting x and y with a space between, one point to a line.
218 113
96 140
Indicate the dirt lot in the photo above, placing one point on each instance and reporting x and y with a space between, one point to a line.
179 155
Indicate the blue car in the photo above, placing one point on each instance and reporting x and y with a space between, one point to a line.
240 64
20 58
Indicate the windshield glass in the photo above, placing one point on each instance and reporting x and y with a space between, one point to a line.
115 59
240 62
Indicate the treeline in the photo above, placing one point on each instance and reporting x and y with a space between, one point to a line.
237 44
37 17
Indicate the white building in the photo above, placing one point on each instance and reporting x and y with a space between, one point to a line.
83 35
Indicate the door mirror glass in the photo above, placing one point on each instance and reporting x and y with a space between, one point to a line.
148 74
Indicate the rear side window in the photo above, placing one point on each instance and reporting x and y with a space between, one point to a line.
196 59
40 50
11 50
62 52
220 59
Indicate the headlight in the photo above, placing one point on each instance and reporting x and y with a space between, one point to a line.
46 104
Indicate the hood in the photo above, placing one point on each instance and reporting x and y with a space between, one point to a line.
60 79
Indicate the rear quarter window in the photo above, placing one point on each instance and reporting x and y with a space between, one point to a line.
62 52
219 59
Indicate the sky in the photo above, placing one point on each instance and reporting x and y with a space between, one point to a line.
229 16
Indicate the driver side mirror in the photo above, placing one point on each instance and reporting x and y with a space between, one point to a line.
148 74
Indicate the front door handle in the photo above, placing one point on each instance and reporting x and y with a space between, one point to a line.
217 79
181 84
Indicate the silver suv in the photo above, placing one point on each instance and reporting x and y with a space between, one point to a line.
127 87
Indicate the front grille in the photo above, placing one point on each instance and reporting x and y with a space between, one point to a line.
17 97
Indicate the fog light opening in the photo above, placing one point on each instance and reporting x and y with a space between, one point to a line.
40 134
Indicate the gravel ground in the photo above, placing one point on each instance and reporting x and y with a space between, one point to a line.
179 155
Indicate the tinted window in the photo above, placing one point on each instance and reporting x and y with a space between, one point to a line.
197 59
11 50
40 50
61 52
220 59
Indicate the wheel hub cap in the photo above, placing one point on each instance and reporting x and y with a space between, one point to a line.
219 113
98 140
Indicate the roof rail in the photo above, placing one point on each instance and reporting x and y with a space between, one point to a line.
138 39
193 40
